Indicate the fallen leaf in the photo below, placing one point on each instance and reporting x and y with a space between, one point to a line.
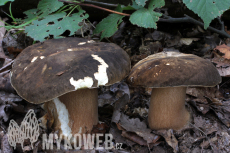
222 64
206 126
134 137
226 29
224 49
223 112
5 146
169 138
138 127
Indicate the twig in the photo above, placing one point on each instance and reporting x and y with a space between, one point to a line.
7 66
101 3
98 7
3 73
191 20
221 23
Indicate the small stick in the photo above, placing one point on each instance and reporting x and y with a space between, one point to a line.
98 7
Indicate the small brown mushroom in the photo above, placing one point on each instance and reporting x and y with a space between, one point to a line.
66 73
169 73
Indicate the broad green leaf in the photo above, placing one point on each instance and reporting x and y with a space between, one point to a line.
128 8
31 14
118 8
141 2
208 9
55 25
49 6
109 25
156 4
3 2
147 18
136 6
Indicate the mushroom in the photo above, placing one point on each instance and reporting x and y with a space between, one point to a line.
168 74
64 74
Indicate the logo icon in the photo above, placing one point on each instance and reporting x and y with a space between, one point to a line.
29 129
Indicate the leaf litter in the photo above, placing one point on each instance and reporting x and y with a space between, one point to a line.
123 109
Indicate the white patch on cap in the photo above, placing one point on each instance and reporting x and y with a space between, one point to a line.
90 41
69 49
41 57
25 68
81 43
101 75
87 82
34 59
63 116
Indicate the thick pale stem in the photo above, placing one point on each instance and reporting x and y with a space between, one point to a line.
80 106
167 108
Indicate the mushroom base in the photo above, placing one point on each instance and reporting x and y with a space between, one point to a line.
74 112
167 108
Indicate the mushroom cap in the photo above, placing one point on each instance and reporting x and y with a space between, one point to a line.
50 69
171 69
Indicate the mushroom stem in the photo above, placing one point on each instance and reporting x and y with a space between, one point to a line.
167 108
74 112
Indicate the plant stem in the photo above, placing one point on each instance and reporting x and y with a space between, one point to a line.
98 7
100 3
194 21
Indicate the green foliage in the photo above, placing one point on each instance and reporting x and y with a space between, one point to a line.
31 14
3 2
134 7
141 2
53 18
208 9
143 17
55 25
49 19
48 6
147 18
108 26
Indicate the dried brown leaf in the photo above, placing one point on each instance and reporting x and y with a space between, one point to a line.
134 137
169 138
207 126
224 49
223 112
138 127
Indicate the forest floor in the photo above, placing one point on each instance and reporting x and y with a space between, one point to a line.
123 110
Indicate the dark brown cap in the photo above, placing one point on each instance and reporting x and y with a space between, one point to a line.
50 69
171 69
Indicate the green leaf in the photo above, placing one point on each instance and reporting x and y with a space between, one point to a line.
147 18
31 14
136 6
156 4
128 8
208 9
55 25
141 2
109 25
3 2
49 6
118 8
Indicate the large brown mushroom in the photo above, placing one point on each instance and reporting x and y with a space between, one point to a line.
168 74
65 74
